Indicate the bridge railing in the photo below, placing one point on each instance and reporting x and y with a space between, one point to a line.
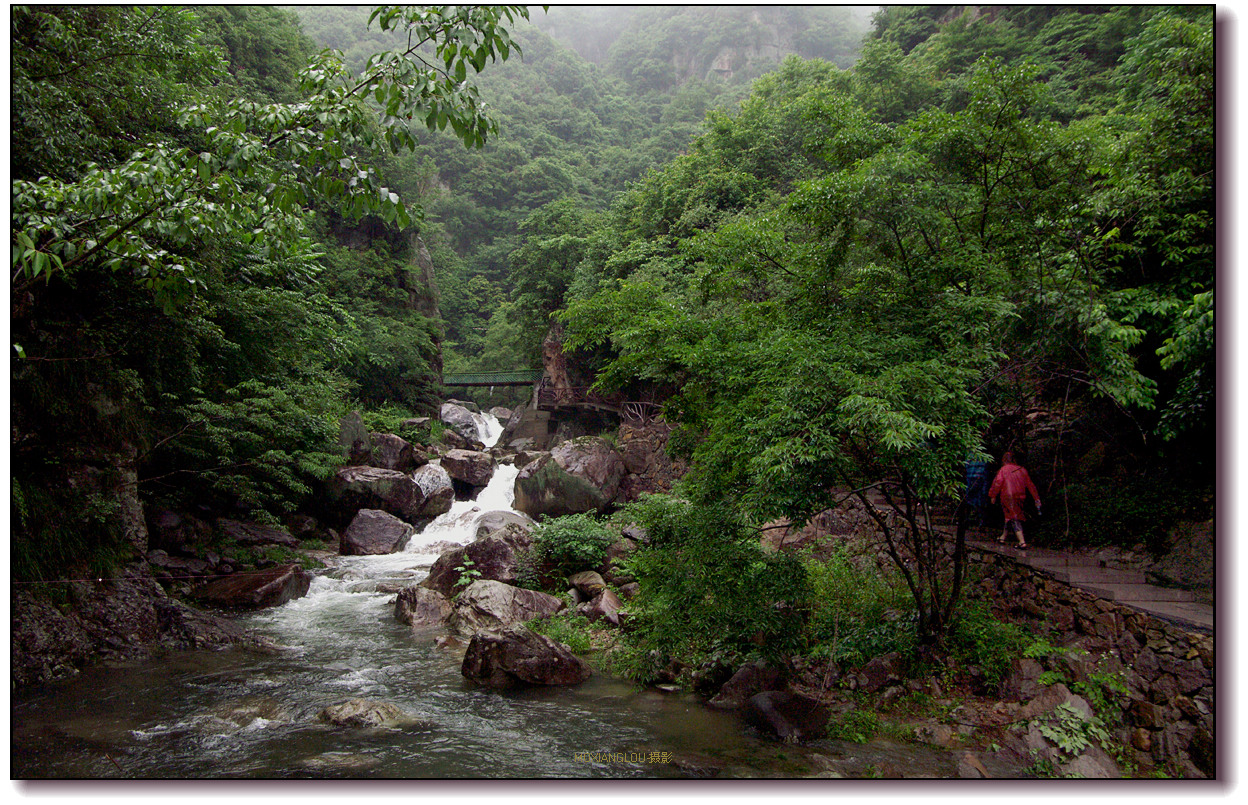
522 378
550 398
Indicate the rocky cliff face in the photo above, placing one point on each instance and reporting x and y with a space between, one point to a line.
128 616
767 43
420 283
742 43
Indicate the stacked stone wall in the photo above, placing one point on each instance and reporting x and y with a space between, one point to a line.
1168 713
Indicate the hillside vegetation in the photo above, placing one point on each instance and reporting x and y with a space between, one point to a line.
840 256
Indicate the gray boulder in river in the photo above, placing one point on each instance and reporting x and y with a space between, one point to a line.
436 488
487 604
356 488
493 522
374 532
518 656
420 607
391 452
579 476
369 713
461 420
494 557
471 467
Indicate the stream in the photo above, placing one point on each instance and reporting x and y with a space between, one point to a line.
240 713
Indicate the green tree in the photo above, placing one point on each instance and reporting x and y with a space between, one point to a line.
265 49
1159 198
849 335
94 81
254 167
555 240
172 339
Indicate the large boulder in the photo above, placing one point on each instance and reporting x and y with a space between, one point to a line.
588 583
605 606
256 590
452 440
460 419
374 532
879 672
488 604
749 680
574 477
356 488
252 534
436 488
643 448
518 656
469 404
1041 720
790 717
495 558
392 452
470 467
420 607
527 429
125 617
492 522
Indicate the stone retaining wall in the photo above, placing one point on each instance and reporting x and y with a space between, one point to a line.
1168 718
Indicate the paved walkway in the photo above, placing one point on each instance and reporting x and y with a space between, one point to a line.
1125 587
1129 588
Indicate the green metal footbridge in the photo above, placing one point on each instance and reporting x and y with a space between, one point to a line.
526 377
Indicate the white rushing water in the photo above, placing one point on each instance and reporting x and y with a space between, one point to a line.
489 428
242 714
334 594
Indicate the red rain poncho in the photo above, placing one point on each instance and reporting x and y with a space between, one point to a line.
1013 484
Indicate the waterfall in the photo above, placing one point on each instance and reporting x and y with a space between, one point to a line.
488 428
457 526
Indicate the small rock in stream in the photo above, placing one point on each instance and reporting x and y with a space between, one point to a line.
368 713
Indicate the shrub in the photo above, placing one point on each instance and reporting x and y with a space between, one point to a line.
46 544
847 596
574 631
977 638
572 543
709 590
858 611
863 641
857 725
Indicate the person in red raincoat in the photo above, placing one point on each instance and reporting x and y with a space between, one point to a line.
1012 484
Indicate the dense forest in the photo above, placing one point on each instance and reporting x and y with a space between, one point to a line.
253 298
575 130
840 251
